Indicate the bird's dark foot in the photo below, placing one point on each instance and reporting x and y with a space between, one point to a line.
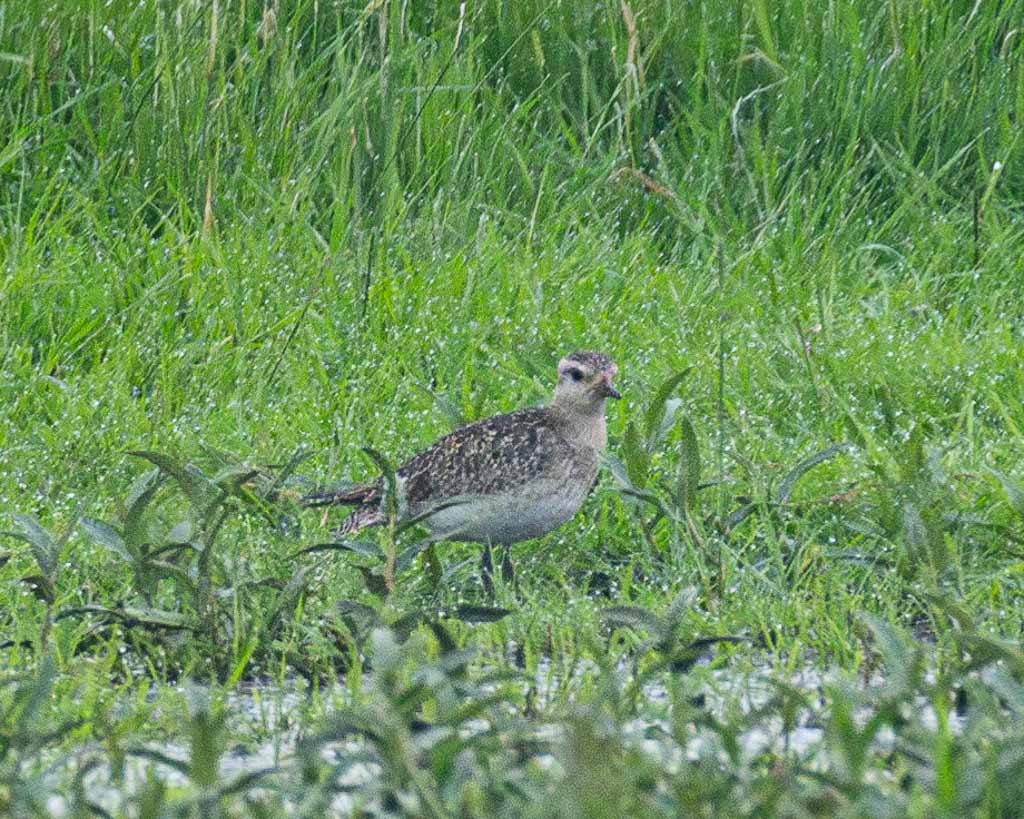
508 571
487 571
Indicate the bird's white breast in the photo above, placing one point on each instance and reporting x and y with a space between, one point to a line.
530 512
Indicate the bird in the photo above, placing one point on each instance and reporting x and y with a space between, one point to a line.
503 479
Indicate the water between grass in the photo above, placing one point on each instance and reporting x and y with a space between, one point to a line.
272 715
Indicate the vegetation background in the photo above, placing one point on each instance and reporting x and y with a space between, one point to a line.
286 230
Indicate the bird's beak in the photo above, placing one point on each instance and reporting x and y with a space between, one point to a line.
607 390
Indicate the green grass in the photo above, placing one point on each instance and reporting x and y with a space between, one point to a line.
270 228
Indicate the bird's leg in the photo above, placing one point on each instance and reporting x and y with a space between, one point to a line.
508 571
487 570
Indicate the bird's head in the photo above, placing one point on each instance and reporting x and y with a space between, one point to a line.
585 381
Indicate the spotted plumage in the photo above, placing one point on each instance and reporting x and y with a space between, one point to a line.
506 478
596 361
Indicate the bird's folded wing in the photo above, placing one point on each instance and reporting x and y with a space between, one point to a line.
489 457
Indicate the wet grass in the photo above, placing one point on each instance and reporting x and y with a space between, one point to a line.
243 244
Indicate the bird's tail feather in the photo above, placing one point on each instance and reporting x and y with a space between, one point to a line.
361 518
351 495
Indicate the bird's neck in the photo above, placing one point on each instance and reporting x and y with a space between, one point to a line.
584 424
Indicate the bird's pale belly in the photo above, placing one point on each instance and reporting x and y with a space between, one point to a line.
510 517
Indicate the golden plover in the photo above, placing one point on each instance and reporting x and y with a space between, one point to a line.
502 479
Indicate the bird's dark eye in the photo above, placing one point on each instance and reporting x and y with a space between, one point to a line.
576 375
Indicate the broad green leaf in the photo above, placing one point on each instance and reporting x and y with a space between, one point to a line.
680 607
986 649
361 616
739 515
152 755
763 17
672 408
922 527
359 547
173 548
143 484
43 546
626 487
856 431
632 617
197 487
404 626
454 662
915 533
154 617
208 743
374 582
230 478
137 615
900 656
914 459
432 564
952 607
410 553
33 696
243 783
689 466
618 470
108 537
139 497
481 614
1009 690
162 568
656 409
786 487
635 456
